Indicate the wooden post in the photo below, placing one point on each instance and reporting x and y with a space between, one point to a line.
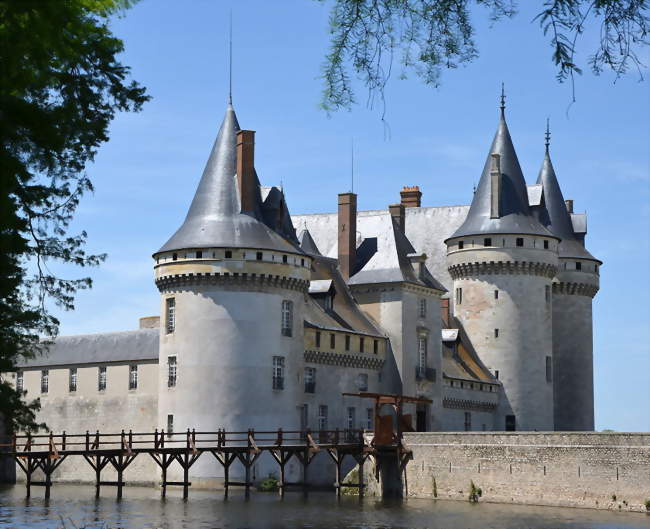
186 463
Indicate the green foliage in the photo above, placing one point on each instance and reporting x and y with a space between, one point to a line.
647 505
269 484
474 493
351 478
60 87
427 36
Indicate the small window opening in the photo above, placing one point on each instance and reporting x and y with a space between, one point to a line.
332 341
459 296
302 262
468 421
258 256
487 241
549 369
520 241
375 347
133 376
172 369
317 338
496 333
347 342
284 258
174 257
170 424
361 345
101 379
199 254
545 245
496 374
461 245
578 265
278 372
228 254
73 379
496 294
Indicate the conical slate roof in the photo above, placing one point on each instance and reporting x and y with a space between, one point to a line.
553 214
516 217
307 243
214 218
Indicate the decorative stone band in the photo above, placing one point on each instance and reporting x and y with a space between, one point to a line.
502 268
242 280
344 360
466 404
575 289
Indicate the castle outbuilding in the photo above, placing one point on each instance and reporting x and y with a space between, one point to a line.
267 320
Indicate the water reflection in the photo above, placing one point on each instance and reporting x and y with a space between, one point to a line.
143 508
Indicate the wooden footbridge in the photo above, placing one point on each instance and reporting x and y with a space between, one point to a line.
46 452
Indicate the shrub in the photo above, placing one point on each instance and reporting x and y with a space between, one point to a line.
474 492
269 484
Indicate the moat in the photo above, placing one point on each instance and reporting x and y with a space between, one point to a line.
73 506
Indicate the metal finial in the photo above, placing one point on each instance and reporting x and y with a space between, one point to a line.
503 99
547 136
230 63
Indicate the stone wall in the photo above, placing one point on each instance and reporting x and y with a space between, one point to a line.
590 470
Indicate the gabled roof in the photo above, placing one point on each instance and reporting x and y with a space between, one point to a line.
215 218
515 216
553 213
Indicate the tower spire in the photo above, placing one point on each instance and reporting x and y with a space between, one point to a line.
503 100
230 62
547 136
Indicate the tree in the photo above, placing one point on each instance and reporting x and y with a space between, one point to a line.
430 35
61 84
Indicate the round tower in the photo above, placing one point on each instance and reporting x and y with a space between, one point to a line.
232 291
502 262
574 287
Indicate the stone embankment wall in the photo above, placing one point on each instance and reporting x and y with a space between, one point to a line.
590 470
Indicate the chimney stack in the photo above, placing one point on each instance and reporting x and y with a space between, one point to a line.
347 233
246 169
411 197
569 205
398 215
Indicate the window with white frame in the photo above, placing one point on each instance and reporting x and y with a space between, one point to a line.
133 376
370 416
170 315
310 379
422 350
287 317
172 369
322 417
45 380
278 372
20 382
101 379
423 308
73 379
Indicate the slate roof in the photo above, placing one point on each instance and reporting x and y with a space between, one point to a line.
553 214
515 215
215 218
125 346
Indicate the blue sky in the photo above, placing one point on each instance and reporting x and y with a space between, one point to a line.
146 175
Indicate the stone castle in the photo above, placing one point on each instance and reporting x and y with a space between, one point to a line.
267 319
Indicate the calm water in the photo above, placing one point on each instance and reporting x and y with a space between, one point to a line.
143 508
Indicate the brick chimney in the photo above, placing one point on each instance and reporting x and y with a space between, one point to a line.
444 312
411 197
397 213
246 168
347 233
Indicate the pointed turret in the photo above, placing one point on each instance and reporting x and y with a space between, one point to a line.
307 243
500 203
215 218
553 213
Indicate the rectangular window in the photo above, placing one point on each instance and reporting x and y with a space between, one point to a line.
468 421
549 369
259 256
228 254
133 376
287 317
362 382
361 345
20 382
317 338
496 294
170 424
304 417
278 372
547 293
422 351
545 245
461 245
511 423
332 341
199 254
45 381
487 241
72 379
171 371
347 342
520 241
496 374
423 308
310 380
351 422
370 415
322 417
170 312
578 265
101 379
285 259
375 346
496 333
459 296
